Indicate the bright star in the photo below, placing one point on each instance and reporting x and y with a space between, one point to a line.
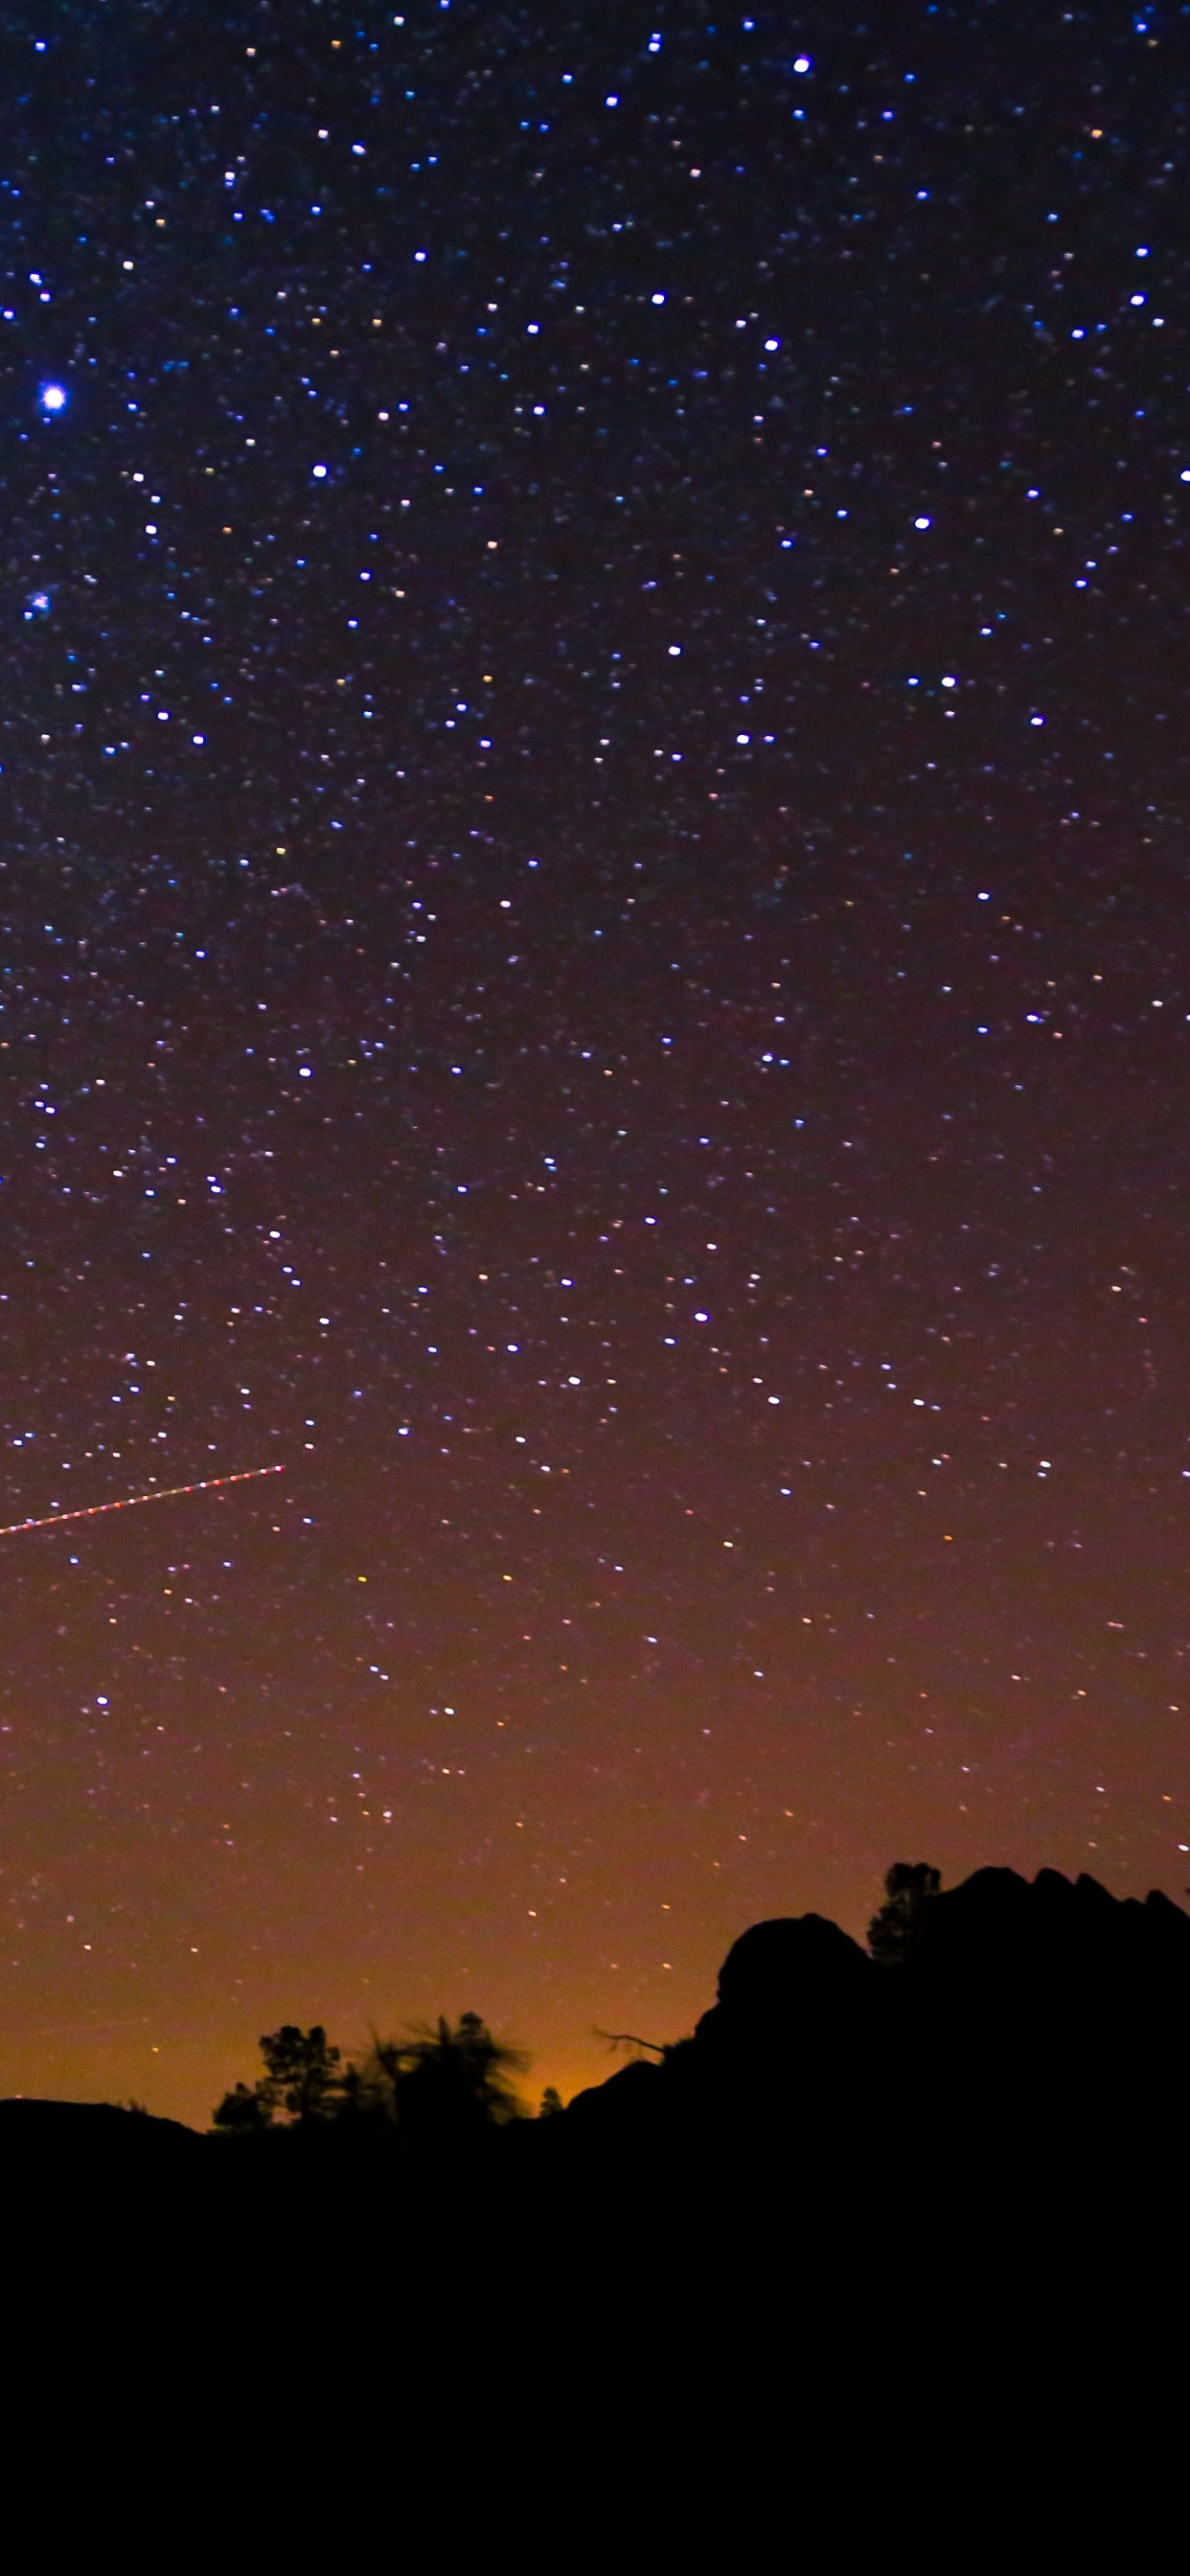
53 398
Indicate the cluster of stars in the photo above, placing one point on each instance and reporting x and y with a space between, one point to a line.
594 776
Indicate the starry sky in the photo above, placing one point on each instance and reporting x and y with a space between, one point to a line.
593 924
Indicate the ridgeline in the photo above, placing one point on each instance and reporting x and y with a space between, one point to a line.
877 2156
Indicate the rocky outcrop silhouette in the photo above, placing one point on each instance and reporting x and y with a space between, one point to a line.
1025 2030
874 2199
1045 2007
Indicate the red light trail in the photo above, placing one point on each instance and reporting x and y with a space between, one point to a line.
163 1494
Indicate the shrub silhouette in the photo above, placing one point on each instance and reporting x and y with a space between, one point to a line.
244 2112
446 2083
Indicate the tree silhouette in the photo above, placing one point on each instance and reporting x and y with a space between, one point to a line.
894 1931
302 2070
301 2078
551 2103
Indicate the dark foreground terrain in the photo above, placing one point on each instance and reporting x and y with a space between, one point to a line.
867 2192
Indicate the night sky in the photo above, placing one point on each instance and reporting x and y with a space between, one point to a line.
593 925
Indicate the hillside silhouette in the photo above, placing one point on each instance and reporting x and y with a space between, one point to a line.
953 2160
1044 2009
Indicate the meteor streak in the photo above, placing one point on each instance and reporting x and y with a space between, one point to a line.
162 1494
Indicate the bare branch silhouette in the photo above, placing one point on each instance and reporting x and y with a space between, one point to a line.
629 2039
